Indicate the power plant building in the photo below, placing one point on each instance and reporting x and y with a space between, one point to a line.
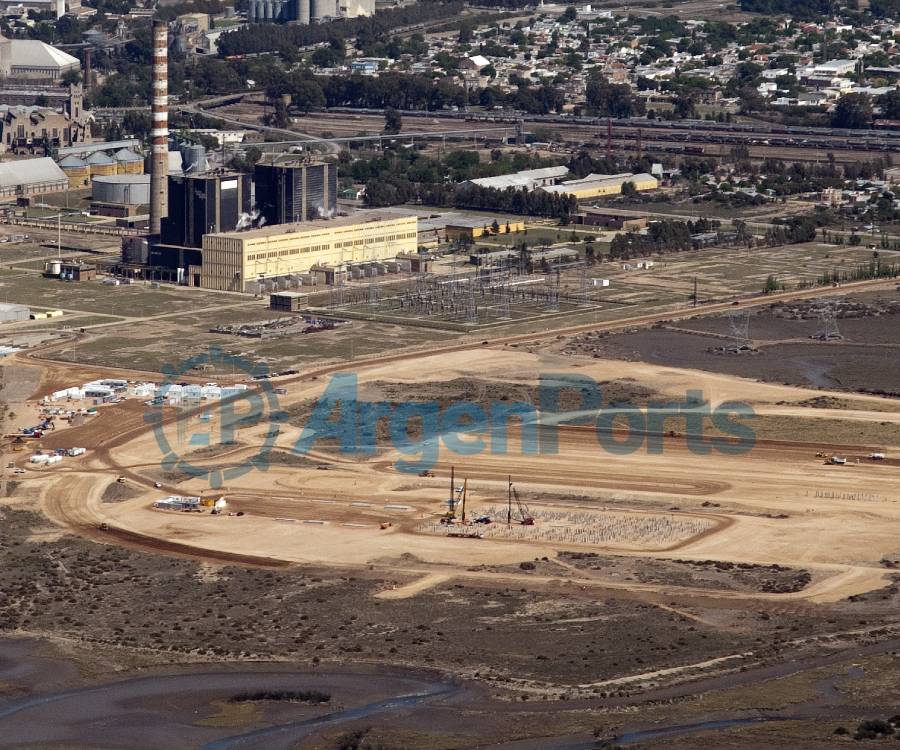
287 194
203 204
233 260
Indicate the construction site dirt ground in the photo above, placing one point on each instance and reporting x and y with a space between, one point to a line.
646 570
776 503
706 602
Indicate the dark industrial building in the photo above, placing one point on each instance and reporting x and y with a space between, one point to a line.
288 301
295 193
219 201
216 201
203 204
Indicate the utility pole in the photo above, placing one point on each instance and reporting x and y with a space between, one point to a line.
608 138
509 501
695 291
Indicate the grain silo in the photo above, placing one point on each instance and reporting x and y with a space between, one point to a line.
77 170
128 162
101 164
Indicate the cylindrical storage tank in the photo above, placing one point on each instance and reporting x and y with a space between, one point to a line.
128 162
193 157
130 189
101 164
77 170
303 11
54 268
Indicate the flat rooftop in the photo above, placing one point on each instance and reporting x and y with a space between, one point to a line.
304 227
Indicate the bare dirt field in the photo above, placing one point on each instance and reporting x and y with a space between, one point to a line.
671 568
784 336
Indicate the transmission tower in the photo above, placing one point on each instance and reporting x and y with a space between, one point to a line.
337 294
373 293
553 293
504 301
739 329
828 327
470 306
584 294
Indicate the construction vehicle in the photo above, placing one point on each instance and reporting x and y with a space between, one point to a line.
525 517
837 460
877 456
820 454
465 529
455 500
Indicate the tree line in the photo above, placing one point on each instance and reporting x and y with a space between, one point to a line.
667 236
510 200
260 38
405 91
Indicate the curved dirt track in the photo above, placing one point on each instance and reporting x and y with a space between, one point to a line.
71 500
121 425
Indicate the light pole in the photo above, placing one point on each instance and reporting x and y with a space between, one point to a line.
58 218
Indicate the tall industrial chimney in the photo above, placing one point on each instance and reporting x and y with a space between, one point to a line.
86 74
159 159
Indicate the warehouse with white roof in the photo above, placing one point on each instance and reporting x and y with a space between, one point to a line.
33 60
31 177
529 179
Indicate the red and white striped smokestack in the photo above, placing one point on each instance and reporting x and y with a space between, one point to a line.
159 159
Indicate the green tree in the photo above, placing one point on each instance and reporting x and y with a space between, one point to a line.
852 111
71 77
612 100
393 122
326 57
890 104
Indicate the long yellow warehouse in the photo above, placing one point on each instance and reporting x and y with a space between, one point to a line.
231 260
601 185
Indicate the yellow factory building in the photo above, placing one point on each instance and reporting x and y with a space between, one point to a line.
601 185
231 260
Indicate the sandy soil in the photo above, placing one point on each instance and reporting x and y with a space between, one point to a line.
777 504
